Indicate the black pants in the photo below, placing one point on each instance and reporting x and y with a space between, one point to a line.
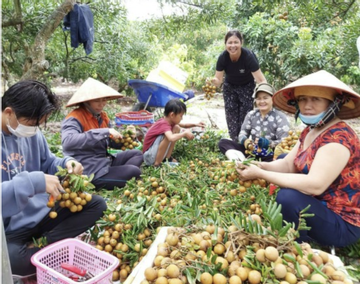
65 225
227 144
238 102
124 167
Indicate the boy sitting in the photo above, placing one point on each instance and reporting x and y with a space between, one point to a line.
159 141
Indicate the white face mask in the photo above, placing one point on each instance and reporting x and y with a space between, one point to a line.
23 130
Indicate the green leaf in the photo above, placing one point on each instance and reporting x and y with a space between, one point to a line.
298 249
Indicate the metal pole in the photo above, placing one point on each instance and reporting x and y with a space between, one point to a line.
148 100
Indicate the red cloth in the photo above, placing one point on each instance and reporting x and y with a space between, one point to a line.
272 188
343 195
87 120
158 128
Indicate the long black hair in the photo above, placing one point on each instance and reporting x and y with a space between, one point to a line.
30 99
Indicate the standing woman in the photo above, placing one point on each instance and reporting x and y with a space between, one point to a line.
86 134
241 68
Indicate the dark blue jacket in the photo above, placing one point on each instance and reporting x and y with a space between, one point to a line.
80 22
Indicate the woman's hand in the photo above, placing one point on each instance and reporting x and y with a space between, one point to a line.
114 134
248 172
74 167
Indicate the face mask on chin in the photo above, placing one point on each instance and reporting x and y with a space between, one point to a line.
22 130
311 119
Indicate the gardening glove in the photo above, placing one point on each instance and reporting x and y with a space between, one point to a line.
263 143
234 155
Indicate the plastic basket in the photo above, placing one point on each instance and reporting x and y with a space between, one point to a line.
139 118
75 252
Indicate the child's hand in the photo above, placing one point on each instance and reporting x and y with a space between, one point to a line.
189 135
201 124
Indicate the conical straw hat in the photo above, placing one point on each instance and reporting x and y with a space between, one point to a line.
321 78
92 89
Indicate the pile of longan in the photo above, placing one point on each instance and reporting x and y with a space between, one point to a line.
289 142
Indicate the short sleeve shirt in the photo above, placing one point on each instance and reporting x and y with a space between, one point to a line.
239 72
274 126
343 195
159 127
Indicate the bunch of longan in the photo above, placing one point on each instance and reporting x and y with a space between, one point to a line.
74 200
129 142
209 90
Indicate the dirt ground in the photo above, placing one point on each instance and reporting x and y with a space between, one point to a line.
199 109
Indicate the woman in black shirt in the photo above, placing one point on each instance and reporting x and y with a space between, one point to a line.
242 69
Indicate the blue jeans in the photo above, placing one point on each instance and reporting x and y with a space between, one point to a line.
327 227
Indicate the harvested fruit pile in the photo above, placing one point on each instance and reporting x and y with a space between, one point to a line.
288 142
231 255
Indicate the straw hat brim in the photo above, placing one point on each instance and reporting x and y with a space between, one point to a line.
92 89
324 79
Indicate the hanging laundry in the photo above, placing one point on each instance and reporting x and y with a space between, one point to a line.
80 22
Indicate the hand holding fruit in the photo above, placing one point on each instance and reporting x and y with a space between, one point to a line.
188 134
53 185
248 172
215 81
247 143
74 167
115 135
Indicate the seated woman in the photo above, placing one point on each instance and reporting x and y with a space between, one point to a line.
263 128
86 134
322 170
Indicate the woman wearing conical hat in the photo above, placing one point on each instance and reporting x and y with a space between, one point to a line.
323 169
86 134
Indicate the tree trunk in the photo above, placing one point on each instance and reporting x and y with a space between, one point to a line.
35 64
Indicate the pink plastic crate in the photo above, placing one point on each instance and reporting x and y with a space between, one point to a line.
75 252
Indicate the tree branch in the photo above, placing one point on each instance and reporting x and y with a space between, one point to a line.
36 63
12 22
